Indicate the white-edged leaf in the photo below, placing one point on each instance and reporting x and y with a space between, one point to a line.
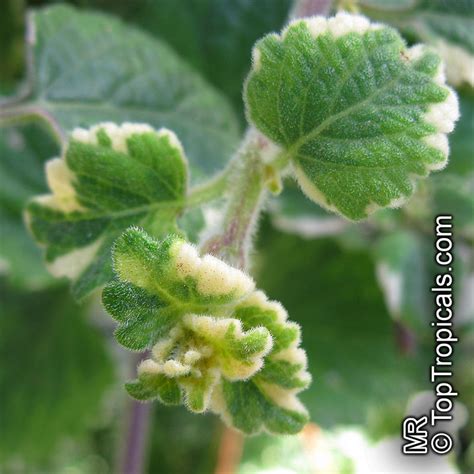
109 178
360 115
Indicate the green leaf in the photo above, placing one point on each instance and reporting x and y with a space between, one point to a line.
54 372
88 68
251 409
152 386
23 151
206 327
283 372
160 282
448 26
447 192
109 178
238 352
359 115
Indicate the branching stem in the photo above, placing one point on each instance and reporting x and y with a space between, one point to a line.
248 179
248 184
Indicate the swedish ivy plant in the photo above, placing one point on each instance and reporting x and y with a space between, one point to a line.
340 104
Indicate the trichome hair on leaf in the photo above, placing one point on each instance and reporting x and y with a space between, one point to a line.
212 336
359 115
108 178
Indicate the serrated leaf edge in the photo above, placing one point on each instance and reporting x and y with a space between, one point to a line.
442 115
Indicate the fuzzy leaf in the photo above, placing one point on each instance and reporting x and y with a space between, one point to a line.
448 26
257 311
206 326
109 178
89 67
359 115
292 212
238 353
160 282
286 373
151 386
251 409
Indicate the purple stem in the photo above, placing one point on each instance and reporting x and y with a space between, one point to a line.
134 444
305 8
405 339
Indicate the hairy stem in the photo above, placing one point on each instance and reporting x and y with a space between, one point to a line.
248 184
248 181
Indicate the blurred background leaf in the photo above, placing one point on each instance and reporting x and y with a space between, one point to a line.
214 36
183 442
54 373
23 151
403 264
446 25
461 140
88 67
11 44
464 380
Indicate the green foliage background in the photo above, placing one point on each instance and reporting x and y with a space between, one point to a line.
60 371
